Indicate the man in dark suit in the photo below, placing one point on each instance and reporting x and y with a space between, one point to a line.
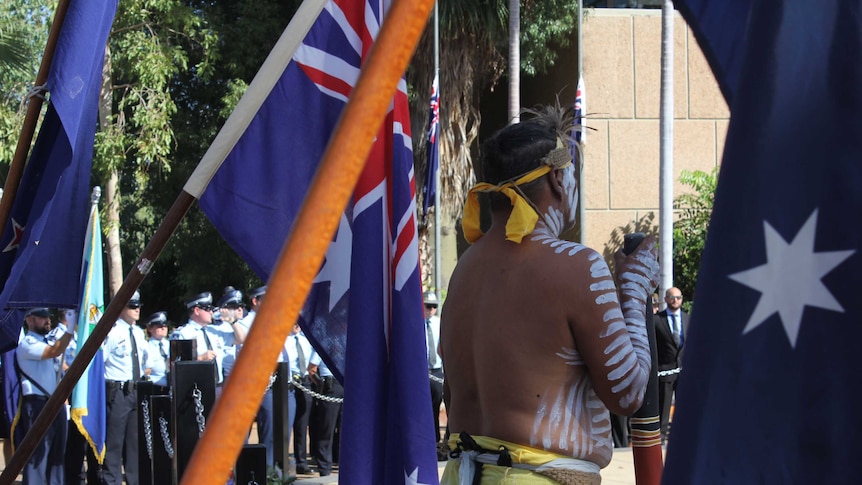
671 326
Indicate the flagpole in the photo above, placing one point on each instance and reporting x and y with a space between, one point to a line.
34 107
581 209
437 265
209 164
302 255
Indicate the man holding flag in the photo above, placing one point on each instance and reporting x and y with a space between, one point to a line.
38 367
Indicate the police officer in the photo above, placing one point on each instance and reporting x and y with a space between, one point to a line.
435 363
38 367
304 402
264 416
230 311
210 342
325 415
126 356
157 327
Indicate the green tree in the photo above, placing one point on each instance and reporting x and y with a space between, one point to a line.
689 231
148 47
474 47
24 26
474 43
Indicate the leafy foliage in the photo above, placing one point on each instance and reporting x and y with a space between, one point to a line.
24 26
689 231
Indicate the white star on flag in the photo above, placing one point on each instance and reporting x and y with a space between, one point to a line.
413 478
336 268
791 278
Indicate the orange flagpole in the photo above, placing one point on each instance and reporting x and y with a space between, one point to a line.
306 246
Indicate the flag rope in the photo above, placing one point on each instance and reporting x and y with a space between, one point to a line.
302 255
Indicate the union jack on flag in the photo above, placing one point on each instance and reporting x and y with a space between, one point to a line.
580 111
364 312
429 189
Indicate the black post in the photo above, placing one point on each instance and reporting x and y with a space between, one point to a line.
163 463
188 379
251 465
281 428
145 420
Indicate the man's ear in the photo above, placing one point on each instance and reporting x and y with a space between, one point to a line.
555 180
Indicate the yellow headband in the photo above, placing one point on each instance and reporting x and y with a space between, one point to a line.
523 218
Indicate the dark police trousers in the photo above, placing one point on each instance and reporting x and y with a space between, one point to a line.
46 464
121 437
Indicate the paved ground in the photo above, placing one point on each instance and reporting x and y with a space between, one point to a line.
621 471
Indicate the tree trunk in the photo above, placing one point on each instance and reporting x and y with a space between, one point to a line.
514 61
112 189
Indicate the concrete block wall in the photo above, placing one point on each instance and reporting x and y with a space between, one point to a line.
622 72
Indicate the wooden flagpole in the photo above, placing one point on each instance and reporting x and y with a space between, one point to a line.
34 107
306 246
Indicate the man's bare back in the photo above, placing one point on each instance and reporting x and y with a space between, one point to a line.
536 341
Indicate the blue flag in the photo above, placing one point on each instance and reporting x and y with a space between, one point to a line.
768 391
429 189
88 397
364 313
41 246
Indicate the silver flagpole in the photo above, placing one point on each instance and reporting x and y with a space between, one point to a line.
437 265
581 210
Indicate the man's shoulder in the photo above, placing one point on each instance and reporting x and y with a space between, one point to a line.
184 330
31 339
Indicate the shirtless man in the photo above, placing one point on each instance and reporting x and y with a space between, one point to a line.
537 343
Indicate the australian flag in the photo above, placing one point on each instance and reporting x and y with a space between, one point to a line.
364 313
769 391
429 189
42 243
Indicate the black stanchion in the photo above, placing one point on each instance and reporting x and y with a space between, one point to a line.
183 350
163 451
145 463
281 420
194 386
251 465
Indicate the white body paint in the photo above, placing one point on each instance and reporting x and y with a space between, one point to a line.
571 417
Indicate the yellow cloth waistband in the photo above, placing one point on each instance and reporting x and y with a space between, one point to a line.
520 453
523 218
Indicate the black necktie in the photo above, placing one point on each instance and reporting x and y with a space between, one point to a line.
207 339
432 351
162 349
303 364
136 366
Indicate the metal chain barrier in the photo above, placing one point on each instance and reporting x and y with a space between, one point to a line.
311 393
199 411
272 378
166 438
148 427
664 373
